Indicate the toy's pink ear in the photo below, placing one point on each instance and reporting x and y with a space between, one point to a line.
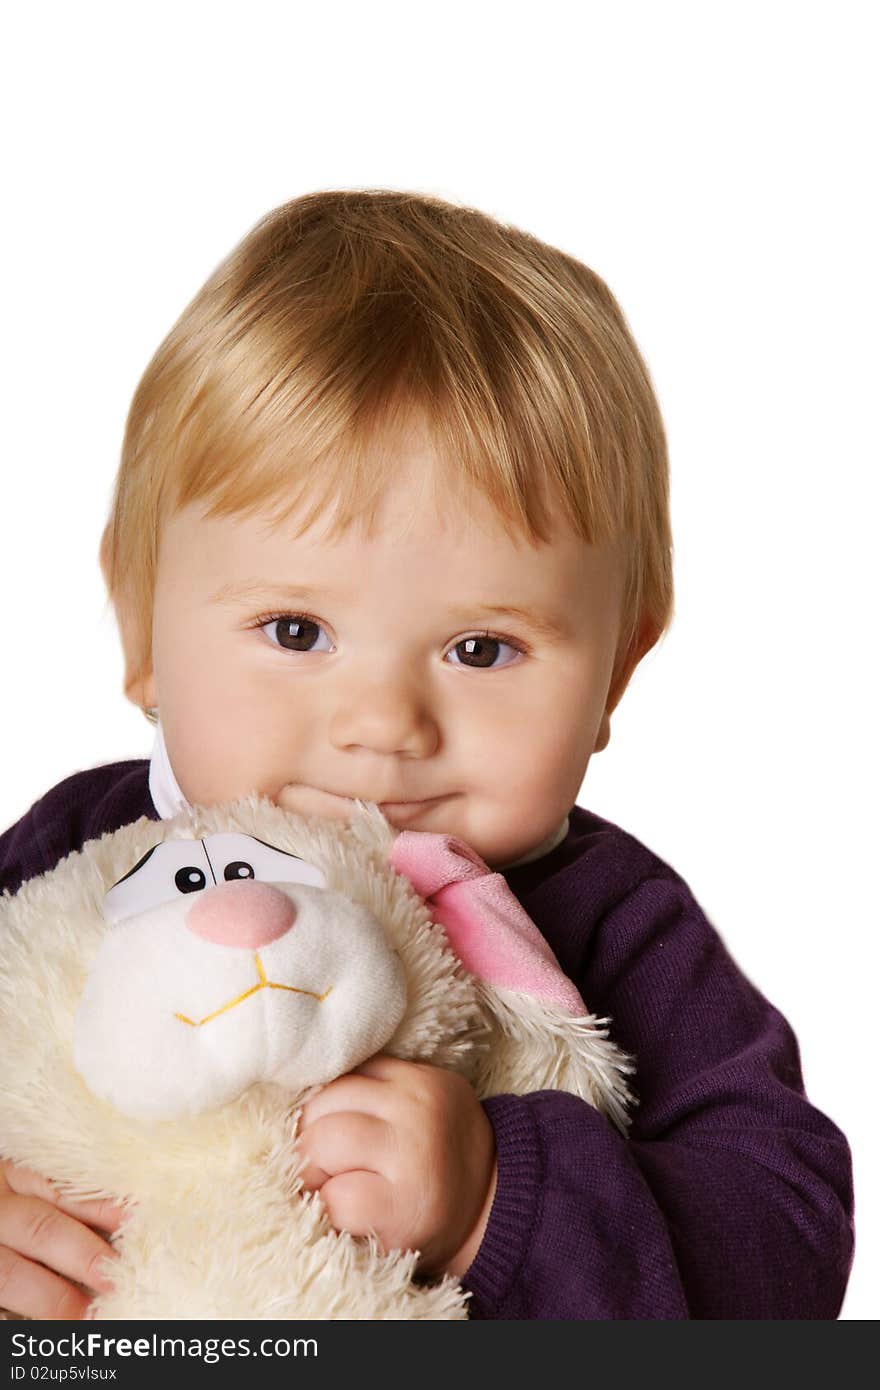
487 928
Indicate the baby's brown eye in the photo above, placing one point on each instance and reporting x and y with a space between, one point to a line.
477 651
296 633
481 653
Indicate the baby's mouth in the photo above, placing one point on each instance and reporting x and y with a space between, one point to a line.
312 801
401 813
262 983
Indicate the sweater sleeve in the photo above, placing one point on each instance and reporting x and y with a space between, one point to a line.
731 1196
34 844
84 806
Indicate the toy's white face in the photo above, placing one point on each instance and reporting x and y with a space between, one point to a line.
228 963
376 667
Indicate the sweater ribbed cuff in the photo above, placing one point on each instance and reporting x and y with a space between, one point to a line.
515 1207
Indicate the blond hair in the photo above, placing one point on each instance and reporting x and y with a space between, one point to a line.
339 314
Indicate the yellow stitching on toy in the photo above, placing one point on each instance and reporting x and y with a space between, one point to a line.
263 984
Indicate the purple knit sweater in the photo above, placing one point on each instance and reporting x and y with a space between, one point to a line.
732 1195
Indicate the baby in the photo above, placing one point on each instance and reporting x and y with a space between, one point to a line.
391 523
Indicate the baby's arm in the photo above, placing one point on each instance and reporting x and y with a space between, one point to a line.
83 807
48 1247
732 1195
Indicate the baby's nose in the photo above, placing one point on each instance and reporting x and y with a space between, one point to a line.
244 914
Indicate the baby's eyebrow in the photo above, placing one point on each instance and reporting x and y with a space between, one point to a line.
263 588
544 625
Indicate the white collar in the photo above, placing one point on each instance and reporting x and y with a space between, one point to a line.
169 801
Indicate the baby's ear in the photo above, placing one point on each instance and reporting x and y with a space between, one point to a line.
626 664
603 737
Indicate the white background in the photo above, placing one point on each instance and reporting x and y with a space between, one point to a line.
716 165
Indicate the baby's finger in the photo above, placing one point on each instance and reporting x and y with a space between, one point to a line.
104 1213
35 1292
14 1177
356 1093
383 1067
361 1203
339 1143
36 1229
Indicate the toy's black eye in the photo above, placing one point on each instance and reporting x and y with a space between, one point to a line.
239 868
189 879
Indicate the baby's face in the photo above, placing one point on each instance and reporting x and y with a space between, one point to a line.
454 675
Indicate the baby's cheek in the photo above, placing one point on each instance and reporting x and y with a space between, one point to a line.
504 828
531 788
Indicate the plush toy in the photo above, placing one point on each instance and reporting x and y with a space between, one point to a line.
173 992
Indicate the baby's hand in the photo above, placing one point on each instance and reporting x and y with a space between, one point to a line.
42 1232
405 1150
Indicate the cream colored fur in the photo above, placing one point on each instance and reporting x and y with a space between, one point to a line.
218 1227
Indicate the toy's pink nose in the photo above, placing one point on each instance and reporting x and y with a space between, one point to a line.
241 913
